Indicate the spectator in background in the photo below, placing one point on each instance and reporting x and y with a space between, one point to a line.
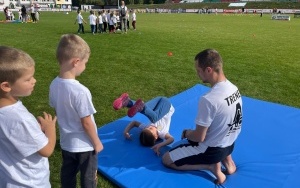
20 14
32 11
12 15
133 19
24 14
112 22
104 19
100 21
123 18
5 10
128 17
37 16
93 21
118 22
80 21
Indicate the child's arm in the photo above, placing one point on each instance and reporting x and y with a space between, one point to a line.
89 128
129 127
48 127
168 140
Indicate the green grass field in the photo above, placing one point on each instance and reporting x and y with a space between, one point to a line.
261 56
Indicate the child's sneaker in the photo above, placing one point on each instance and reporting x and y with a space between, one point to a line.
137 107
121 102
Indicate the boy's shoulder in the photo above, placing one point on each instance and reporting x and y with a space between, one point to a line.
72 84
16 111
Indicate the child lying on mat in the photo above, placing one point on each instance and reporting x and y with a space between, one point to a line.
158 110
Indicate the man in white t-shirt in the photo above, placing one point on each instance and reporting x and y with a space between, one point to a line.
218 123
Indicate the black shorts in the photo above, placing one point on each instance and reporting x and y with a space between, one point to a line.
212 155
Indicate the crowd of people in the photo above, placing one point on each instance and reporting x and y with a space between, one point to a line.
24 15
108 21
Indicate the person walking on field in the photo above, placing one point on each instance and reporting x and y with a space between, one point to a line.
80 21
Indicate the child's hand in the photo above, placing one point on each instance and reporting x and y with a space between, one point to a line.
127 135
156 149
98 147
47 122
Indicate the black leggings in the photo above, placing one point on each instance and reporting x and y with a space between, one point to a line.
33 17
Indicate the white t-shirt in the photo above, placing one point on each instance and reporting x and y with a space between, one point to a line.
21 139
162 125
113 20
104 17
133 17
72 101
221 111
32 9
79 19
92 19
100 21
108 19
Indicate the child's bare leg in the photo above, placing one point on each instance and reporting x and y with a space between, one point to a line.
229 165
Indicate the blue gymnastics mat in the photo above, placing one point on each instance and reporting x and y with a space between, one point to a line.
267 152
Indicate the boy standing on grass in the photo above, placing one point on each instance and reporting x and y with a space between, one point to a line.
100 21
72 101
80 21
26 142
133 19
93 21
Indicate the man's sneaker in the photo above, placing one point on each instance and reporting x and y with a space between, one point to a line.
137 107
121 102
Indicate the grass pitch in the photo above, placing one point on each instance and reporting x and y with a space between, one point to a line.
261 56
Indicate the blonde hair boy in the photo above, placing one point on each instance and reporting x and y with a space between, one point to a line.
72 101
26 142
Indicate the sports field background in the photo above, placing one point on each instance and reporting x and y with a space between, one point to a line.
261 56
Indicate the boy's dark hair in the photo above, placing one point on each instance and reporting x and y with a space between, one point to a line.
147 138
209 58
